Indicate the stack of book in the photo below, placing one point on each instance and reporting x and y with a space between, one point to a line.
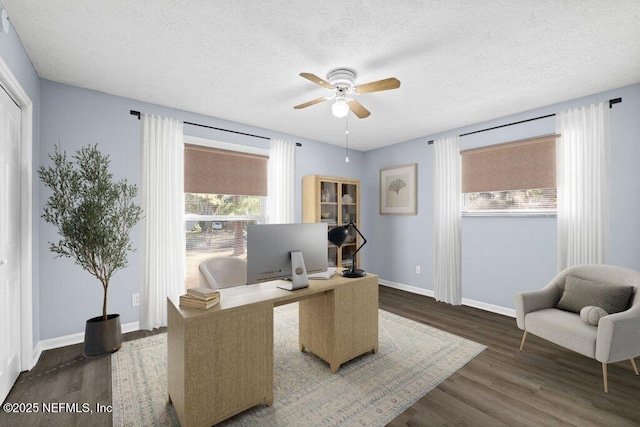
201 298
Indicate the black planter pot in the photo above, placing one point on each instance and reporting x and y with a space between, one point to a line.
102 336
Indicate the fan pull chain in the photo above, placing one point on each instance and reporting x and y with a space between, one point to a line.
346 159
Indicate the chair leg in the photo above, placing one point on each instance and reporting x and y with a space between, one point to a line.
524 337
604 377
635 368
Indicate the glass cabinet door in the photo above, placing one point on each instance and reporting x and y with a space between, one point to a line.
329 202
332 259
348 248
347 254
349 205
333 201
349 213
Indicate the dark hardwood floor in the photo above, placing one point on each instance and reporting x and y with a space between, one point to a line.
61 378
543 385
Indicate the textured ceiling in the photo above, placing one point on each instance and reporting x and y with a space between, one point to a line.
460 62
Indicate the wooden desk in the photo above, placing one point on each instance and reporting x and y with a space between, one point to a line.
220 361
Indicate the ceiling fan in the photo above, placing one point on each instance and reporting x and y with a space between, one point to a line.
341 84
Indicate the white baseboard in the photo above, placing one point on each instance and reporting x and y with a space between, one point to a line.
465 301
37 352
71 339
489 307
408 288
130 327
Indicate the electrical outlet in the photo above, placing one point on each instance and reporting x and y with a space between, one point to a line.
135 300
417 269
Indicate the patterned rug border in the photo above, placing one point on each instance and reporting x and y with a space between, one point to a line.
139 399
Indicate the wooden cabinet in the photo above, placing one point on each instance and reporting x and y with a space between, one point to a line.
335 201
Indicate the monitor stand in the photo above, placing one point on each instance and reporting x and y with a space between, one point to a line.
299 277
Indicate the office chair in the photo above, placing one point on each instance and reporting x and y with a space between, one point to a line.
223 272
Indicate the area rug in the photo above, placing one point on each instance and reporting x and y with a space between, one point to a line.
370 390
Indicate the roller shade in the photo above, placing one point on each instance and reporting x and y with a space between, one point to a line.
215 171
523 164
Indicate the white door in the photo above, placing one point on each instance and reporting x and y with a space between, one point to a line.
9 243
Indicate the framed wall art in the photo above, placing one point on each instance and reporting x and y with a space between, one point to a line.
398 190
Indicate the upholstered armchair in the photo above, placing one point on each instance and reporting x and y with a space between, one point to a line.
608 339
223 272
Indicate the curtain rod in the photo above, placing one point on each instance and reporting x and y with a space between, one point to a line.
137 114
611 102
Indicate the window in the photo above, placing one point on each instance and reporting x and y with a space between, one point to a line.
531 201
216 225
225 191
518 178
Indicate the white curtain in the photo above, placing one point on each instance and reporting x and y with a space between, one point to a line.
582 162
281 182
163 239
447 272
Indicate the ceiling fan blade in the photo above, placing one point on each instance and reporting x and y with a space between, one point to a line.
379 85
317 80
310 103
358 109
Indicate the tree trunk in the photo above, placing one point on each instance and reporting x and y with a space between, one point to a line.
238 239
104 301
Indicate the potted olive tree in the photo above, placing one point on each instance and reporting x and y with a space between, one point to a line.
94 216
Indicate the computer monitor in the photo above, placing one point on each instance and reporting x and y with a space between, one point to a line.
272 249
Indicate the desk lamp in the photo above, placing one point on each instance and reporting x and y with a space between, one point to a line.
337 236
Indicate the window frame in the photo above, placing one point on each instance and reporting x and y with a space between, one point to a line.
192 277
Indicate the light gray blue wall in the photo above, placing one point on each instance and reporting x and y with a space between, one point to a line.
500 256
76 117
14 55
397 243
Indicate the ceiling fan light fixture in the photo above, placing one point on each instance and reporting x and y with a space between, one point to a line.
341 83
340 108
